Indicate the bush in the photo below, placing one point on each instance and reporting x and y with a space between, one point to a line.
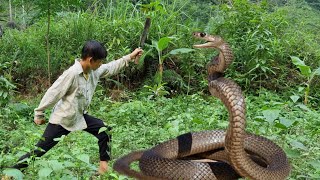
263 38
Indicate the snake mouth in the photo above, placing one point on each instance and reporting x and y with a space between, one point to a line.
208 44
203 36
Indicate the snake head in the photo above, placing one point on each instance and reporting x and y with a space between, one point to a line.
211 40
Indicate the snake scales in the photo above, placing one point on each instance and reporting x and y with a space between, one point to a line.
237 153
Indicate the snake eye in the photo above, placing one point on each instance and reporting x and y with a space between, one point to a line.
202 34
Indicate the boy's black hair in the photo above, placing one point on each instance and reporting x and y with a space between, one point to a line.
93 49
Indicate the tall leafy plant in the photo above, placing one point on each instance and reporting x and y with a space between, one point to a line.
307 73
6 87
255 34
160 46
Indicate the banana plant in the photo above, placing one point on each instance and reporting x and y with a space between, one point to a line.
161 45
306 72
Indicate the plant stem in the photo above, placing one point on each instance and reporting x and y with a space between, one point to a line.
10 11
48 44
306 94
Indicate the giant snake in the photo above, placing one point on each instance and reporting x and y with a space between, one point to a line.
236 152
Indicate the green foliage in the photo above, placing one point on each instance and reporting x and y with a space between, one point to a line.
16 174
174 81
255 34
141 123
157 90
307 73
160 46
264 37
6 87
5 90
263 34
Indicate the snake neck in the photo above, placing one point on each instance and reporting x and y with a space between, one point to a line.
227 54
221 62
231 96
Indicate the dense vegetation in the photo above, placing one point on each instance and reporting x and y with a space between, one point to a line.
277 63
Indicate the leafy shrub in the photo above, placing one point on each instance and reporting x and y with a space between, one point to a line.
255 36
264 35
263 38
6 87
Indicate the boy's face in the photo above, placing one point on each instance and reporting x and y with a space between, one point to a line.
94 65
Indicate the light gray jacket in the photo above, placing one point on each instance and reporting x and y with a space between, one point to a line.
71 94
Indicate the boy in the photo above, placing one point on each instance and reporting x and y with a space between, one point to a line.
71 95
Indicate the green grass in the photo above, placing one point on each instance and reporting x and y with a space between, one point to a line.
139 123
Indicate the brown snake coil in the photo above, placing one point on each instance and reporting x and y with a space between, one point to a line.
238 154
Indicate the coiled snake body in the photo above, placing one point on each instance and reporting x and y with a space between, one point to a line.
238 154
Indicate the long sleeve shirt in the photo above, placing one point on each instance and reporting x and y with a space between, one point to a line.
72 93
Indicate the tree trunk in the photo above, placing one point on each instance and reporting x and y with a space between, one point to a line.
10 12
23 16
48 44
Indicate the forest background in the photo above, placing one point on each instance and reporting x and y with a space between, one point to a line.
276 44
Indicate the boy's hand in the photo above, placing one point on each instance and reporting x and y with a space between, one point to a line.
39 121
136 53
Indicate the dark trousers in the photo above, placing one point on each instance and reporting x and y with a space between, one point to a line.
53 131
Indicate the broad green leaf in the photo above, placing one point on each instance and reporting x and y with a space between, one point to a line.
5 95
300 89
181 51
281 126
304 69
316 72
156 45
56 165
271 115
302 106
292 153
163 43
286 122
15 173
294 98
297 61
298 145
315 164
102 129
69 164
44 172
84 157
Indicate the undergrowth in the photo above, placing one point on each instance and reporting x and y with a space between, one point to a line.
140 123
